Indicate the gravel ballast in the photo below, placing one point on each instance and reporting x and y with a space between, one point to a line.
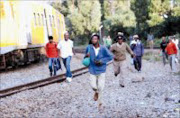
156 95
33 72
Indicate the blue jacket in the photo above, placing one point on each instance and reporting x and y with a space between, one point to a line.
138 49
104 56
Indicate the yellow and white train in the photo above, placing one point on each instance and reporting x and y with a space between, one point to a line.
25 27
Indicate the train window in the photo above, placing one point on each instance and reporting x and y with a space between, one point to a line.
35 22
50 20
42 19
53 20
39 21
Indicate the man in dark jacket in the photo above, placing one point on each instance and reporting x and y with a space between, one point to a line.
138 50
163 46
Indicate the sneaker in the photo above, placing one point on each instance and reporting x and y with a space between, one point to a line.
68 79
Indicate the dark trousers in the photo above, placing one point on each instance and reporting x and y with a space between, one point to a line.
138 63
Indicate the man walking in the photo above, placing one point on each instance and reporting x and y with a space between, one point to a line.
171 51
52 54
138 50
119 50
99 57
163 47
176 42
66 52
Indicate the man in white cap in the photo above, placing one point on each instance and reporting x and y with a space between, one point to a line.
138 49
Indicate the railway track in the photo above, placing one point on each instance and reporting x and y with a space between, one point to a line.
40 83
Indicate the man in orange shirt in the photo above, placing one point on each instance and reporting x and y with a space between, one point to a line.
52 54
171 51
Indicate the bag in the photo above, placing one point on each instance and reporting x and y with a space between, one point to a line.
86 60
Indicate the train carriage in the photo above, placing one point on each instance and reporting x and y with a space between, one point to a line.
25 27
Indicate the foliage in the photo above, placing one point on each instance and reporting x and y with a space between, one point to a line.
83 17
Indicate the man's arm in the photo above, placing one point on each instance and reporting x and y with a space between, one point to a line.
46 48
142 48
129 50
107 56
59 48
175 49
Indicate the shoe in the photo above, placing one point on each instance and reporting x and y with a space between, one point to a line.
68 79
115 75
122 85
51 74
96 96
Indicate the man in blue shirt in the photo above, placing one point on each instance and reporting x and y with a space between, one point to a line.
99 57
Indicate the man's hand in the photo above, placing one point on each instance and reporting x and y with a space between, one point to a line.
133 56
98 62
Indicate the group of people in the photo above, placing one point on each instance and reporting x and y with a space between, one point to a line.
63 49
170 50
99 55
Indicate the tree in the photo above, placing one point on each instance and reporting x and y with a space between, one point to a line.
118 17
140 9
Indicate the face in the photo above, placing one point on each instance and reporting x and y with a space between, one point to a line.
95 40
120 41
135 39
163 38
66 36
50 40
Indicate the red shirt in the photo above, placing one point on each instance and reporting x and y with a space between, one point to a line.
171 48
51 50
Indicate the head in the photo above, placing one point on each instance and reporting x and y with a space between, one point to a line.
163 39
120 39
66 36
50 39
109 37
170 39
95 39
174 37
136 37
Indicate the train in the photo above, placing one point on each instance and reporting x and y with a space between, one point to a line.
25 27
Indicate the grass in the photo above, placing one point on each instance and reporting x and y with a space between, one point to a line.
152 56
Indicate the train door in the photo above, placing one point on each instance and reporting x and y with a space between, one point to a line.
48 23
28 26
46 33
58 27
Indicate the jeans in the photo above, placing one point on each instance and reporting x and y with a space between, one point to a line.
164 56
66 62
54 65
172 62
